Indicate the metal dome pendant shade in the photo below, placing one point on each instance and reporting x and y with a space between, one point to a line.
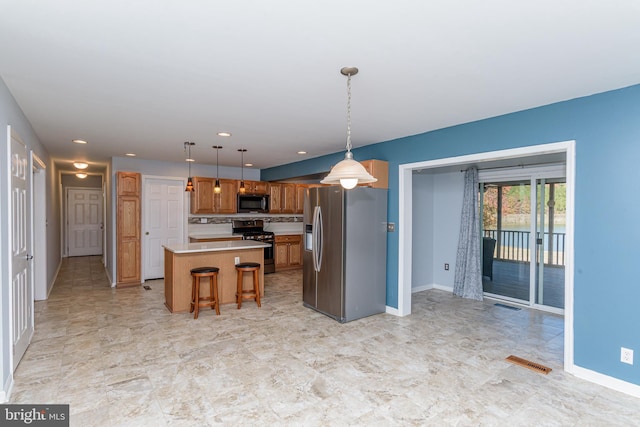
348 172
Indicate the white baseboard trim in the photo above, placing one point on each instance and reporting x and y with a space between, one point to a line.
392 310
421 288
5 393
113 283
606 381
431 286
55 277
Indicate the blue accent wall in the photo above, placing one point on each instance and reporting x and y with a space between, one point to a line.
606 128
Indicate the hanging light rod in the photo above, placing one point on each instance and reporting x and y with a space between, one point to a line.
348 172
242 188
187 147
216 188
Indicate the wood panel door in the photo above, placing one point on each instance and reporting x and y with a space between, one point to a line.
128 239
128 250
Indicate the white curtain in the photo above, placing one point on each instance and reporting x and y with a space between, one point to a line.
468 276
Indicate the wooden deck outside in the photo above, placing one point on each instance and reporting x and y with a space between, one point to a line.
511 279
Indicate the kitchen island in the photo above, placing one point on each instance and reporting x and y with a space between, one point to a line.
180 259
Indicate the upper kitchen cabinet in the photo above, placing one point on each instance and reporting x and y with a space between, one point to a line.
301 190
226 201
255 187
282 198
128 183
202 197
205 201
379 169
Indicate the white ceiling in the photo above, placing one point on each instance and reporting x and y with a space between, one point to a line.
144 76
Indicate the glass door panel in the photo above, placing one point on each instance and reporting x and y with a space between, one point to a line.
506 225
549 243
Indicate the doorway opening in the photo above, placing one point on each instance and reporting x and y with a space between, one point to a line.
523 222
560 152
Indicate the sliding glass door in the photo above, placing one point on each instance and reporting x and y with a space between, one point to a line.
523 240
550 239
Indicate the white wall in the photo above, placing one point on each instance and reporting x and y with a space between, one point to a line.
437 203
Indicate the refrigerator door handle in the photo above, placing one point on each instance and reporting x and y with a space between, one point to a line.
317 238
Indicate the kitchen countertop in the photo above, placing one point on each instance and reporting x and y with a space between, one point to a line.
231 245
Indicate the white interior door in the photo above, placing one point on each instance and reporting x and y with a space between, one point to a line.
164 221
21 284
84 219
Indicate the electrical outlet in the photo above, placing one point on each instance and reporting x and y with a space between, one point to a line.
446 266
626 355
236 260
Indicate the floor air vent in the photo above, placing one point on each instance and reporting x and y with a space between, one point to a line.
528 364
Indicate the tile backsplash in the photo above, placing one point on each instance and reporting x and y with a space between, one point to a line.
227 219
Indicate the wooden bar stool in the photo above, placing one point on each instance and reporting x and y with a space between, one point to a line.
212 300
245 267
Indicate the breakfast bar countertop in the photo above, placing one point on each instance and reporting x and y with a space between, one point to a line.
230 245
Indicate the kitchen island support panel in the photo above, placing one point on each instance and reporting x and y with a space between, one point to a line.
177 275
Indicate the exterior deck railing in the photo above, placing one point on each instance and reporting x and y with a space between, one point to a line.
513 245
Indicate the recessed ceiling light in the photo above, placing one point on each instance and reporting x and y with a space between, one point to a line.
81 175
248 164
79 141
189 160
130 154
80 165
224 133
302 152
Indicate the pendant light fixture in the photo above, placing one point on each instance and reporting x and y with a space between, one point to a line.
216 188
348 172
242 151
187 148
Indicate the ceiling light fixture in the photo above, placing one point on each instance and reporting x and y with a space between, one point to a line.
130 154
81 175
79 141
348 172
187 147
80 165
302 152
224 133
242 151
216 188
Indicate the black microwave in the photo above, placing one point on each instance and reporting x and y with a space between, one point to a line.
253 203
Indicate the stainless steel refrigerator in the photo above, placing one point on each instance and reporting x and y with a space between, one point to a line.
345 251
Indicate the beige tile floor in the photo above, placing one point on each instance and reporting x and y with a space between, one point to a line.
119 358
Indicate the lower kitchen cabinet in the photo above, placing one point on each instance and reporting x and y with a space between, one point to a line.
288 252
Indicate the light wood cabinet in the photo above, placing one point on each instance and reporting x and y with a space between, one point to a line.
275 200
202 197
226 202
301 190
255 187
205 201
288 198
379 169
288 252
128 229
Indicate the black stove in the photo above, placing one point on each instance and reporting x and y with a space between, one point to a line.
253 229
